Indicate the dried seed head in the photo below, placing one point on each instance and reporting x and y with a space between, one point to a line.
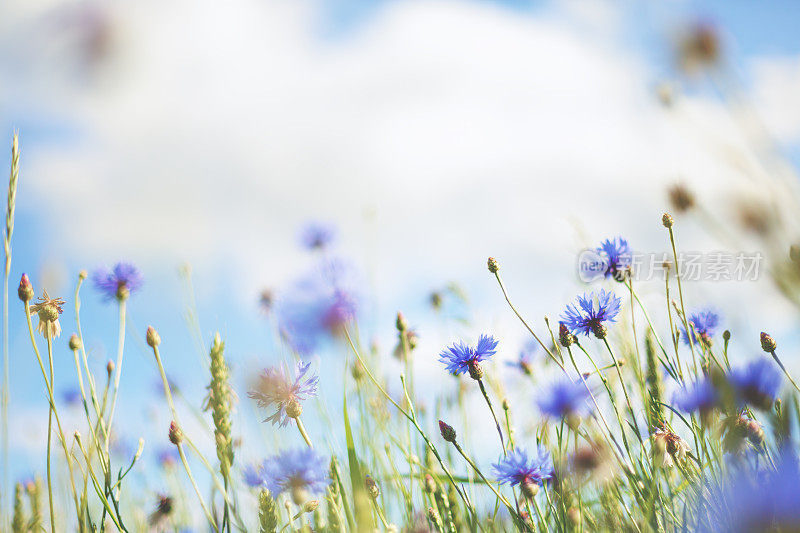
768 344
447 431
493 265
175 433
667 220
152 337
25 290
75 343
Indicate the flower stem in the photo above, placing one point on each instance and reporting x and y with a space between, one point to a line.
496 423
302 430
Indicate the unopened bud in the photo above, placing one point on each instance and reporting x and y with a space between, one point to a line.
726 335
564 336
310 506
25 290
447 431
667 220
77 436
175 433
401 323
430 484
110 367
493 265
768 344
75 343
152 337
83 274
506 404
373 490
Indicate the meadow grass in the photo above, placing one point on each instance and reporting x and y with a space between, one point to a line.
634 426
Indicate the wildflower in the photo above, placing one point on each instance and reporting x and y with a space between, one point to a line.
167 457
702 325
253 475
566 399
71 397
668 448
517 469
276 387
526 355
447 431
407 338
48 310
460 358
757 383
317 305
699 397
618 257
317 235
589 313
300 472
565 338
752 499
118 283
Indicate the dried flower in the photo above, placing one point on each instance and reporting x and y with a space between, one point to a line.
668 448
617 257
276 387
48 309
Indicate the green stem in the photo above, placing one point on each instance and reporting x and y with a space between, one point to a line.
302 430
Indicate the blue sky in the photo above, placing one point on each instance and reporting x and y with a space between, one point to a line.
235 218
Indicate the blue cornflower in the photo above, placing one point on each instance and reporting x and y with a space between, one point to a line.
317 235
515 468
700 396
754 499
168 456
302 472
588 313
459 358
253 475
757 383
119 282
276 387
317 305
617 255
565 399
526 356
71 397
704 324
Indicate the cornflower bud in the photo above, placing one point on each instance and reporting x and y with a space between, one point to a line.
768 344
25 290
667 220
493 265
152 337
75 343
175 434
447 431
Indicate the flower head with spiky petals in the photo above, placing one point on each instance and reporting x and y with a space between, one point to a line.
702 325
317 235
700 396
460 358
253 475
119 282
275 387
753 498
565 399
317 305
756 383
300 472
617 255
589 312
530 473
